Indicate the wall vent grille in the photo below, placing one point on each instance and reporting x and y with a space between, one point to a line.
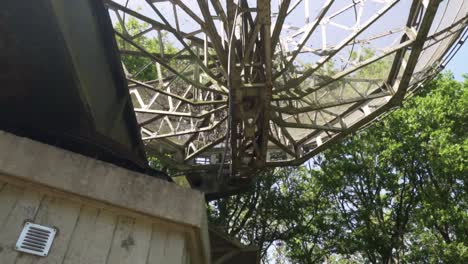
36 239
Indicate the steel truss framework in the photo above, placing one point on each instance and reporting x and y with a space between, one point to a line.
243 85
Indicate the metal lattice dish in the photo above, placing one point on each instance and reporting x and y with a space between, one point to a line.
254 84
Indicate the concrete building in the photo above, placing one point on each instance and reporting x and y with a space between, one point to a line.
103 213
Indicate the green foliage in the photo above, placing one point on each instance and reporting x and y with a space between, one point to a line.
142 67
395 192
377 70
259 217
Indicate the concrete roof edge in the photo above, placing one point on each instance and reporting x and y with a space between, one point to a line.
72 172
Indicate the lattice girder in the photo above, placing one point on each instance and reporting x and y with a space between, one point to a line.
230 87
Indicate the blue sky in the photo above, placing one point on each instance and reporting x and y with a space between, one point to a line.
459 64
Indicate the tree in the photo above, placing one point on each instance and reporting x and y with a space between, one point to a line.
400 185
373 199
136 63
267 213
439 121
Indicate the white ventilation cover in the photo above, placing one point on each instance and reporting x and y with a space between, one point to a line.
36 239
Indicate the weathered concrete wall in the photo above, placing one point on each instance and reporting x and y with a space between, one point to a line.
105 214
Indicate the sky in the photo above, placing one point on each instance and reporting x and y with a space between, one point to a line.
459 64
